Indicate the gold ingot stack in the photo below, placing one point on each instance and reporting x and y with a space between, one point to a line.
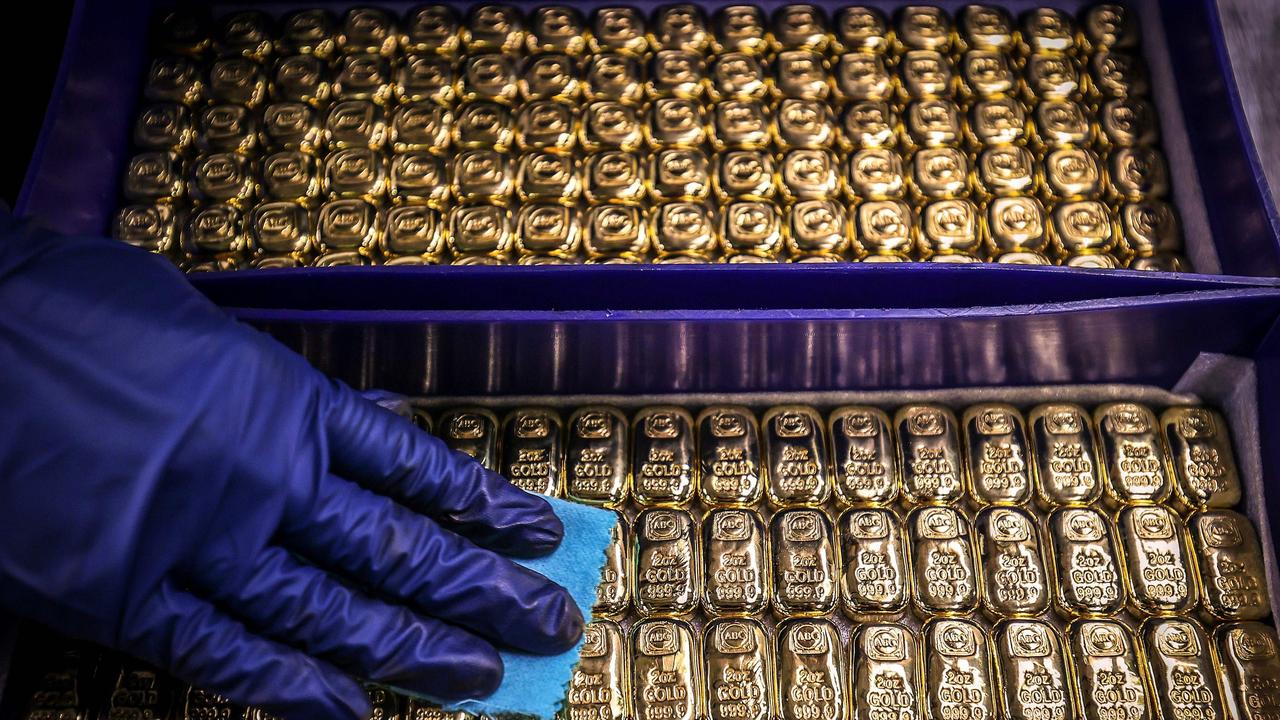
925 561
550 135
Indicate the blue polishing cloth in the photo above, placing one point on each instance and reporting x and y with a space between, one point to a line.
535 684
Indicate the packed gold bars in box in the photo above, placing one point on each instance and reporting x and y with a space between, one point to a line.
504 134
860 562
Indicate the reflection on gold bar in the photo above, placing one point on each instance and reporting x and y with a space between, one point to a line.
810 671
666 563
738 668
795 452
736 576
804 563
729 457
1184 673
664 466
596 467
1133 455
600 686
929 446
1109 676
884 672
875 578
613 594
1159 575
666 678
958 680
1205 474
1250 670
943 561
1031 667
1232 571
864 456
531 450
1088 576
999 466
1015 583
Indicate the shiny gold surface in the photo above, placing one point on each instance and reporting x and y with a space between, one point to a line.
929 454
736 574
999 467
811 671
958 677
875 579
1034 678
667 563
1232 569
944 562
1184 672
1015 582
738 668
805 561
1159 567
1087 574
1048 111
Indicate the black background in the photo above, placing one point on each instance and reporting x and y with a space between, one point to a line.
29 55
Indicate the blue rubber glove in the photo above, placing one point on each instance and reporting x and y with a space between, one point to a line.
179 486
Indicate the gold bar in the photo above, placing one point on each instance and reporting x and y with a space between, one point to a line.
1049 30
861 28
958 680
804 562
1159 576
926 74
1184 672
472 431
925 27
531 450
663 462
201 705
862 77
1110 25
613 594
386 704
1232 570
1138 173
741 28
1109 676
736 562
929 453
1032 671
1015 582
151 226
1088 576
1204 464
666 679
729 457
795 452
666 563
884 673
1250 670
138 691
996 122
1133 456
483 229
600 688
875 579
738 668
1073 173
811 671
999 463
944 563
1063 445
557 28
483 124
1006 170
864 456
596 464
618 29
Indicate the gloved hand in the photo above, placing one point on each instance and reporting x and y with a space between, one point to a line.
181 487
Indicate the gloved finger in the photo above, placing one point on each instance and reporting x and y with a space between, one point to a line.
387 454
306 607
176 630
409 557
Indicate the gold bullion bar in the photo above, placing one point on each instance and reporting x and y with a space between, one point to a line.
864 456
999 465
804 563
1159 575
729 457
1066 459
1250 670
664 466
958 680
875 579
203 705
1133 455
1032 670
944 564
1232 570
810 671
1088 576
884 673
1015 581
419 709
1184 672
738 669
795 452
613 594
600 686
531 450
139 692
929 454
665 577
666 679
1110 681
1204 464
735 577
386 704
596 463
472 431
